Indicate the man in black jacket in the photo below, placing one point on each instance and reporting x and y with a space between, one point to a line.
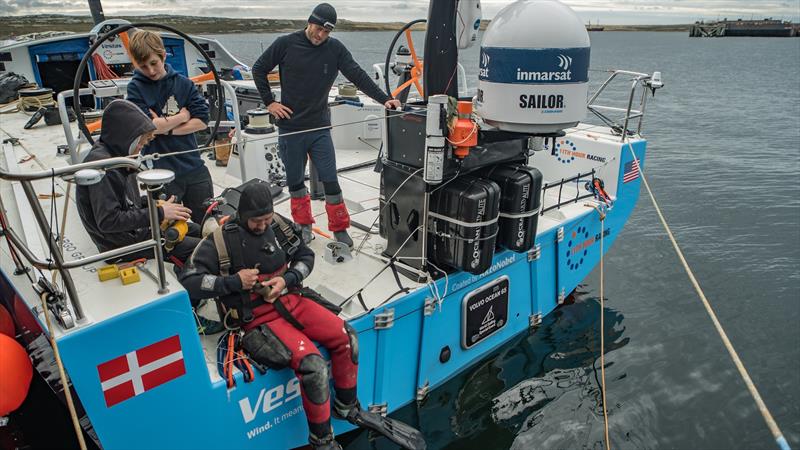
257 268
113 211
283 322
309 63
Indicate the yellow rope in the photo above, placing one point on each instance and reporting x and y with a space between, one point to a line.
602 336
31 104
62 373
762 407
28 104
602 328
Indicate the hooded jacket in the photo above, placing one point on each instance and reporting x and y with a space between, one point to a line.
112 210
153 95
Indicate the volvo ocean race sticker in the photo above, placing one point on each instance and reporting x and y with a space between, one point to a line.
484 311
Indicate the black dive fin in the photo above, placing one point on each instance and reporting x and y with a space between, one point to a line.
398 432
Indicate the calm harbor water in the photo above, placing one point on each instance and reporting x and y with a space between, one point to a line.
723 158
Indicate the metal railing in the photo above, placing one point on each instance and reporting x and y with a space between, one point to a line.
560 185
647 82
56 261
72 143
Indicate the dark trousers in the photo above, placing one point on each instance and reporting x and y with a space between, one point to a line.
297 148
192 189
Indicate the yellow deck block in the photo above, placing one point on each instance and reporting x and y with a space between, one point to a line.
129 275
106 273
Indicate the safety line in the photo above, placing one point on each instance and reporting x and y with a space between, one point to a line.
602 326
762 407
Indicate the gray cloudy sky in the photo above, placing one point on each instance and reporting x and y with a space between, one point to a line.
606 11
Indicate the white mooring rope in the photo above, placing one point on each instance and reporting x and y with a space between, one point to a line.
762 407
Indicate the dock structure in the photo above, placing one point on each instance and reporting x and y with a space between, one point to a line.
761 28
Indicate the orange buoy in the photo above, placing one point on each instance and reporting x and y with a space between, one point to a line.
6 322
15 374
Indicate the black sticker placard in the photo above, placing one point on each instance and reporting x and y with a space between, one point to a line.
484 312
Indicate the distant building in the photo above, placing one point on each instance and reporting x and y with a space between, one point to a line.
762 28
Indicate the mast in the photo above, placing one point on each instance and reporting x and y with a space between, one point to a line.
441 50
97 11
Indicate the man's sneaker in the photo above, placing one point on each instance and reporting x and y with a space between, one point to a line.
307 232
208 326
343 237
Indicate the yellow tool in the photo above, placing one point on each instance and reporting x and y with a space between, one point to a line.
106 273
129 275
173 231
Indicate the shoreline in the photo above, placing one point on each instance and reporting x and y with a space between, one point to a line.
18 25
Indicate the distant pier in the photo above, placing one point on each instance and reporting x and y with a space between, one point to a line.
760 28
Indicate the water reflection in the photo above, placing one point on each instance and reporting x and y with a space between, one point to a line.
541 390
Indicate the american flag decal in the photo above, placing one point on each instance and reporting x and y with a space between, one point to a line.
138 371
631 171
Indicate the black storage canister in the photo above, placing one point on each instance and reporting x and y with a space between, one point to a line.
520 198
463 220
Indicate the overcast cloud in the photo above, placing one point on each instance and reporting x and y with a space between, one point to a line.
606 11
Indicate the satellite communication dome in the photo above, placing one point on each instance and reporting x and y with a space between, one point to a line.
534 68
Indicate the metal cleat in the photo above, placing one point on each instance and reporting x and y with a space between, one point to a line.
337 252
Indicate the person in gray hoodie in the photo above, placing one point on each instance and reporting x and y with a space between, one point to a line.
113 210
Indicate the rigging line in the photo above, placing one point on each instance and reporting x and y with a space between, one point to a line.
377 188
446 283
58 236
603 334
386 203
762 407
63 226
154 156
364 141
53 212
14 255
374 277
602 326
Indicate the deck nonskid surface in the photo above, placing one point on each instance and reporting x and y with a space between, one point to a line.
338 281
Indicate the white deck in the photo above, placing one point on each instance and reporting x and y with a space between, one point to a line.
105 300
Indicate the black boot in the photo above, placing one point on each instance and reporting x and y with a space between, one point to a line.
320 436
398 432
326 442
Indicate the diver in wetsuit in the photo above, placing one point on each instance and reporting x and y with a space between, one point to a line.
258 272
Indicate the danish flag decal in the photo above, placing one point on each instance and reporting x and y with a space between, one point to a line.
141 370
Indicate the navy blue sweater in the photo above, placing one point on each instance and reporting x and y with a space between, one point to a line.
153 95
307 74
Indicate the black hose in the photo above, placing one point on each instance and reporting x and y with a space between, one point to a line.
391 49
76 104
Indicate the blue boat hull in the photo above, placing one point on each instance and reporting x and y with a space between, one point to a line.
421 349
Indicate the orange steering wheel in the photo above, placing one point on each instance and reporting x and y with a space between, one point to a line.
416 69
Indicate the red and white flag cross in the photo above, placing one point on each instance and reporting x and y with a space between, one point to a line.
139 371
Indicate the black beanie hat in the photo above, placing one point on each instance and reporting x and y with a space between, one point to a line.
322 14
256 200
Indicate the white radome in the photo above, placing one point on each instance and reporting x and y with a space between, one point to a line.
534 64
